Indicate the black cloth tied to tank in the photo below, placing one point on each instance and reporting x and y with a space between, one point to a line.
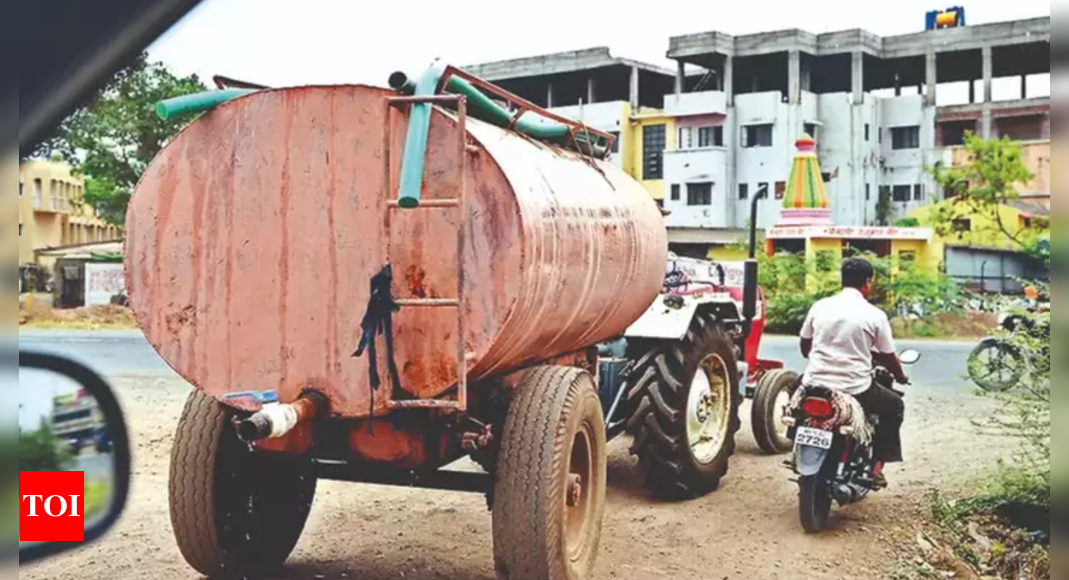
378 320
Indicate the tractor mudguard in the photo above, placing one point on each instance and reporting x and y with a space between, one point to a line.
664 322
810 460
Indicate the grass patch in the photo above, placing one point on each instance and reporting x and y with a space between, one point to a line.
97 497
946 325
91 318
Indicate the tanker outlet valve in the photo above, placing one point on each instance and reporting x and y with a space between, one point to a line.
275 420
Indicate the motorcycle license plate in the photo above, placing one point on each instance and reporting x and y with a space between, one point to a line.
809 437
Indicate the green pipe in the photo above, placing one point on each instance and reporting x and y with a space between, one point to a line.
197 102
415 153
482 107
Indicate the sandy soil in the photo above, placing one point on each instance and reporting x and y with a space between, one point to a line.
746 531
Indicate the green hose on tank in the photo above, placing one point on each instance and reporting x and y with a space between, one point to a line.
198 102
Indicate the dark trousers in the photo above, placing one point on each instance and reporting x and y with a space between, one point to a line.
891 410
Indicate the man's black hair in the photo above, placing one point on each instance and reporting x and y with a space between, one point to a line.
857 272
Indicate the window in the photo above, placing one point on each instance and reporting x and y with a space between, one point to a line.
811 130
885 192
781 189
710 137
918 192
906 138
616 142
653 144
901 193
686 138
20 188
20 230
909 256
744 191
826 177
867 132
868 192
962 225
37 193
757 136
675 192
699 194
762 187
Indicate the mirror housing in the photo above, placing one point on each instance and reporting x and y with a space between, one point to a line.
118 446
910 356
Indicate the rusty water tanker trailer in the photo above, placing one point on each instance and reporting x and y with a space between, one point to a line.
369 284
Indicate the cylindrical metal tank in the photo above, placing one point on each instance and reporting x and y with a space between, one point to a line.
253 236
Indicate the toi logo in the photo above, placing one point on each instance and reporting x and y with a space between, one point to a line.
53 506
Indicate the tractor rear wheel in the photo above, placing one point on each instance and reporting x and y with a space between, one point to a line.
549 497
770 404
685 396
235 513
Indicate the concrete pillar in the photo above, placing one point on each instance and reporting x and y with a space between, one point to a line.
549 95
591 91
988 73
794 82
681 77
931 78
857 77
634 88
985 121
728 81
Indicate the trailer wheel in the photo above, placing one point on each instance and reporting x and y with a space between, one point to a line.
771 400
235 513
686 400
549 497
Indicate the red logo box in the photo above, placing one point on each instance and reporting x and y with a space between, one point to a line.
52 506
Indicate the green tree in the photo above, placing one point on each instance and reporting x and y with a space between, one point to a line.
983 185
112 140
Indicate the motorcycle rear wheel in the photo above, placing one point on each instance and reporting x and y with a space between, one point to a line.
814 503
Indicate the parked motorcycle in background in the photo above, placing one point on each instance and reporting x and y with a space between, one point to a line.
996 364
833 454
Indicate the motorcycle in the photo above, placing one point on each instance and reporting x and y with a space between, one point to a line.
833 454
996 364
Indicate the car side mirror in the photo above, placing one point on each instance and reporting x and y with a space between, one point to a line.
910 357
69 422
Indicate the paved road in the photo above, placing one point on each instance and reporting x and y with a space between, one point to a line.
126 353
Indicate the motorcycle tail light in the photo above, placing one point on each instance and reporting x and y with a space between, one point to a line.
817 408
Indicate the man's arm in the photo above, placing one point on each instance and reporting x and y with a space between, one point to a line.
808 332
886 354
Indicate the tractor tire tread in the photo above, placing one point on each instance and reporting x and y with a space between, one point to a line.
658 388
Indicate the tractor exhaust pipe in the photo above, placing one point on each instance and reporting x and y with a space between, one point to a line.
750 271
276 420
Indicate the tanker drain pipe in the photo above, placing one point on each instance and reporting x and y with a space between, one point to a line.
275 420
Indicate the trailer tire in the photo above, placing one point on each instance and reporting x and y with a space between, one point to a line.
770 434
547 525
213 476
660 387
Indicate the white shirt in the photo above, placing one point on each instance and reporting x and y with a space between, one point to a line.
845 330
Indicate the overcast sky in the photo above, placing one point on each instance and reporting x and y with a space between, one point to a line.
295 42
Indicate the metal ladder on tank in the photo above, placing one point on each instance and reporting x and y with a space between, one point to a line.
459 203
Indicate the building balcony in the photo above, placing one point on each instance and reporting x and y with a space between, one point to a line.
692 104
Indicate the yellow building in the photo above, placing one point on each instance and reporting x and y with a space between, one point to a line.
53 213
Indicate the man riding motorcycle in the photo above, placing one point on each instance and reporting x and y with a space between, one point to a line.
843 335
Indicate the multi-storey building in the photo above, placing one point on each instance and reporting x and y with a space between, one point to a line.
705 137
53 213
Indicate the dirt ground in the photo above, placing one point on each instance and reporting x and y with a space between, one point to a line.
748 530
